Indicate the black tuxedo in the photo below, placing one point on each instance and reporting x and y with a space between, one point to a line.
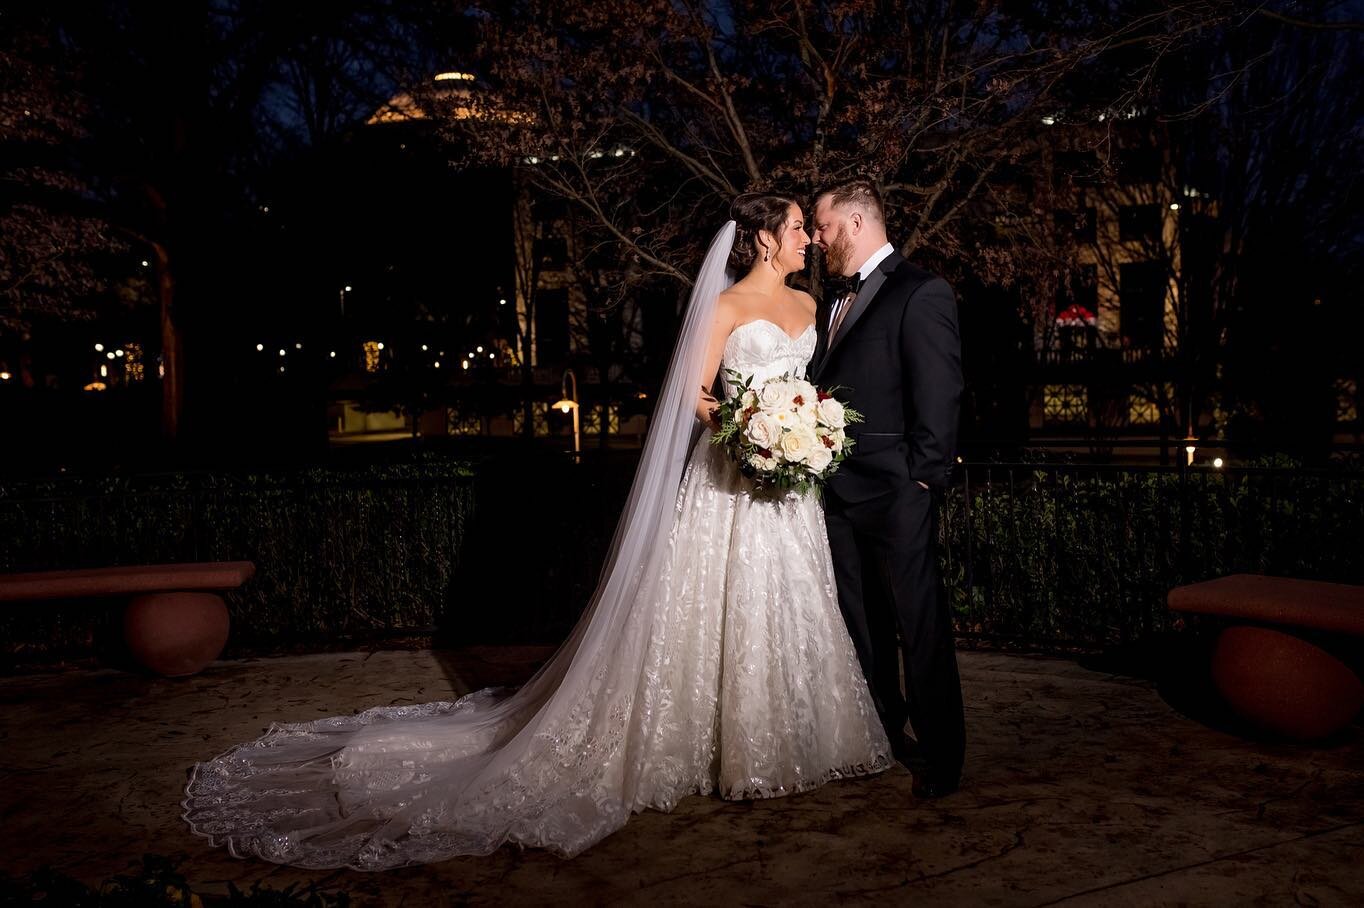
897 359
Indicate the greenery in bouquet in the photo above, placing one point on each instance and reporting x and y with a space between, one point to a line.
786 434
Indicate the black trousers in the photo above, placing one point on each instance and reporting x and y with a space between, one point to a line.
886 566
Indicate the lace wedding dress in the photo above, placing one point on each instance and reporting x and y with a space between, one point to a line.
729 671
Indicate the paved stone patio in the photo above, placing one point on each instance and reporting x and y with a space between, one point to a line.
1081 788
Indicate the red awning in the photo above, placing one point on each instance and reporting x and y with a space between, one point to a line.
1075 316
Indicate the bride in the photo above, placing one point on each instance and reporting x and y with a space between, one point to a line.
712 657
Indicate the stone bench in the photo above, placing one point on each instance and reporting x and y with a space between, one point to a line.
1269 662
174 622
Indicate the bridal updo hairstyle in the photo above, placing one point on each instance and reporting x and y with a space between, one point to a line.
752 212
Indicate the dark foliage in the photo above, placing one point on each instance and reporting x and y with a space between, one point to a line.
339 554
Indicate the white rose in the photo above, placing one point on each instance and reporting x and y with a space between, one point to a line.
772 395
805 389
762 430
820 458
797 444
765 464
750 399
831 413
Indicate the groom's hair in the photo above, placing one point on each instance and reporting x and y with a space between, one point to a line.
859 193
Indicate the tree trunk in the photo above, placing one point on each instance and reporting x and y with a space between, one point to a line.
527 394
172 382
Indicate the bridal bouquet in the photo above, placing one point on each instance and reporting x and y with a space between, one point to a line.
785 433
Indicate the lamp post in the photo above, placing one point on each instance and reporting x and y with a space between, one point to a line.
569 403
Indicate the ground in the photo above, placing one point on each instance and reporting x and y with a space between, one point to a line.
1081 788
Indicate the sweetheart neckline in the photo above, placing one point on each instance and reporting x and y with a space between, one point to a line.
767 321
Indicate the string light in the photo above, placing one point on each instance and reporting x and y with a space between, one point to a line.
260 348
99 348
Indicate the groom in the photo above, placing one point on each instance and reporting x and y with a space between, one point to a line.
890 339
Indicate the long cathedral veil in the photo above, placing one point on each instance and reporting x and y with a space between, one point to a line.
394 786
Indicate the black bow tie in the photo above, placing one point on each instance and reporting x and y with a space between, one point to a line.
841 286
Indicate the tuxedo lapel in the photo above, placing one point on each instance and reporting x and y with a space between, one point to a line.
870 288
822 313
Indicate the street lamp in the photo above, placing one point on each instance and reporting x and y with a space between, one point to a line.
569 403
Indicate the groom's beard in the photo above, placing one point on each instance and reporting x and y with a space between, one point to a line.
840 251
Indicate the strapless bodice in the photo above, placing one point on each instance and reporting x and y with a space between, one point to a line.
763 350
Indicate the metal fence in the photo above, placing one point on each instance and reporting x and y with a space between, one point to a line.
1060 555
337 555
1051 556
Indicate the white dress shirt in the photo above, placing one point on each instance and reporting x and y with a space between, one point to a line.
867 268
877 258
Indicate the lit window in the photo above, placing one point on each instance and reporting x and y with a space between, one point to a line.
540 413
1064 403
592 420
1142 412
372 350
458 422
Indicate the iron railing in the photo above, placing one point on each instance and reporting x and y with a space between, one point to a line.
1063 555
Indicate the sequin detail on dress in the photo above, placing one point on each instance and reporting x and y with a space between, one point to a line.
740 679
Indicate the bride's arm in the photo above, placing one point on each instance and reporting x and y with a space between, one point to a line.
725 317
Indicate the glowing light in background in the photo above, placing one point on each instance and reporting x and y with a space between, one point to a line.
372 349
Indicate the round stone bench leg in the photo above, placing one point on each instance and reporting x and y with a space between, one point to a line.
175 634
1285 684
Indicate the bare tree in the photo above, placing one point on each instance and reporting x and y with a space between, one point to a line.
649 115
52 229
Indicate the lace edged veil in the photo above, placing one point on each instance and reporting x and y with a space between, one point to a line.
394 786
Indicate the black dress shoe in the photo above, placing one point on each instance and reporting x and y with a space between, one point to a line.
928 790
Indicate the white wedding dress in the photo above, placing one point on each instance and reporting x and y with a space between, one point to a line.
730 671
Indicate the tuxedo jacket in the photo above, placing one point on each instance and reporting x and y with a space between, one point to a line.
897 360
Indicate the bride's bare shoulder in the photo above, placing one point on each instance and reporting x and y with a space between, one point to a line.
733 302
736 295
804 299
